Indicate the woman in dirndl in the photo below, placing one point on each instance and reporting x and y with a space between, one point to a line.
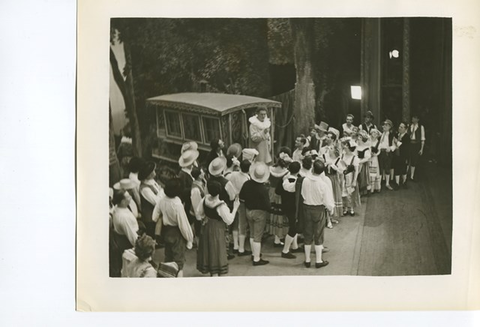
331 159
214 214
277 222
349 164
364 154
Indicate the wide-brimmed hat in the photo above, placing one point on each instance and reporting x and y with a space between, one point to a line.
189 146
124 184
249 154
259 172
188 158
323 126
146 170
235 149
368 114
334 131
217 166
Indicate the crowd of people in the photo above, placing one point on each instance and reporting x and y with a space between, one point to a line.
241 194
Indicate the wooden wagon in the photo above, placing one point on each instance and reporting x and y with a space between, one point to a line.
202 117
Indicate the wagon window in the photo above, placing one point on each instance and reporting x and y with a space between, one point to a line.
191 127
211 128
173 124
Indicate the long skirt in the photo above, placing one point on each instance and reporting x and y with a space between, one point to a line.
364 178
276 224
337 194
350 194
212 249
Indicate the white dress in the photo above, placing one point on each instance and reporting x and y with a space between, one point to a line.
259 139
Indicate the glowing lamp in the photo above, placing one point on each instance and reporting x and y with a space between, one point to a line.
356 92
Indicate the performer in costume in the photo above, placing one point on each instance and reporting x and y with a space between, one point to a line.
260 135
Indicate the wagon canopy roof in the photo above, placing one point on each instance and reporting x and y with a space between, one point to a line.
211 103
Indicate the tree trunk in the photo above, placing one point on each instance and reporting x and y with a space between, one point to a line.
126 88
115 173
304 108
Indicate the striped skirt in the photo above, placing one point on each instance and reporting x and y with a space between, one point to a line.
337 194
276 224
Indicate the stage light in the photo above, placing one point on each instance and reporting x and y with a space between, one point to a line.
394 54
356 92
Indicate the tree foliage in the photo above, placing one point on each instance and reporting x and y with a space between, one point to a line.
176 55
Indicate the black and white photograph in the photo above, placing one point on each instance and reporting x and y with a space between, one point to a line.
279 147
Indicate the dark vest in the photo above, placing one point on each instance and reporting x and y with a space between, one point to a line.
223 194
361 154
147 207
288 201
368 129
314 143
390 139
418 133
299 203
212 212
202 191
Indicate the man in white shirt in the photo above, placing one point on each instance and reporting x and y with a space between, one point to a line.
321 137
300 142
289 209
134 165
239 232
177 230
316 199
386 147
150 195
368 124
417 142
127 185
124 229
347 127
124 222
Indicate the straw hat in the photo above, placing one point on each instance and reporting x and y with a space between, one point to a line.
189 146
124 184
259 172
146 170
235 149
217 166
322 127
188 158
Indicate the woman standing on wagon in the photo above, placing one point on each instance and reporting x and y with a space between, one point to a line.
260 135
